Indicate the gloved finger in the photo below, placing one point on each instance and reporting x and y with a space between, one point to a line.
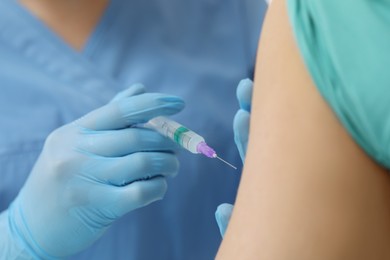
222 216
133 90
241 131
139 194
123 142
125 170
131 110
244 94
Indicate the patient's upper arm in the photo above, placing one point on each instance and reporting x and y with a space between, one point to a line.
307 191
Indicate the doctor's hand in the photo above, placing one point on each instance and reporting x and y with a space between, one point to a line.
242 117
93 171
241 134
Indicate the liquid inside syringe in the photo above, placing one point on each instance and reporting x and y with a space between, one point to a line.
184 137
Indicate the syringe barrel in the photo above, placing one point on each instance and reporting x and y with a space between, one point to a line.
176 132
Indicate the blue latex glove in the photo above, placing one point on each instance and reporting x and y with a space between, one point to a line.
241 134
90 173
222 215
242 117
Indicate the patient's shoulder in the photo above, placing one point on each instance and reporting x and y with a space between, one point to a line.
307 190
344 45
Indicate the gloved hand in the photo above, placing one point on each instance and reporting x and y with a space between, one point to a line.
91 172
242 117
241 134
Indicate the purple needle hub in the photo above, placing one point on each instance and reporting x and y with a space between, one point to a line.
203 148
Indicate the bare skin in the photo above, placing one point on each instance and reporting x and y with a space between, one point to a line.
308 191
71 20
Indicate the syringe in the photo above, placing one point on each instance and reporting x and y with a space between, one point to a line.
184 137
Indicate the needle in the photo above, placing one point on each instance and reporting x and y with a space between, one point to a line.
234 167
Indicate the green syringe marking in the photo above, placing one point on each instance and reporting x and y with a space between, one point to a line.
178 135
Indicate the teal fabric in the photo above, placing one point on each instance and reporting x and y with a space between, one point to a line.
345 45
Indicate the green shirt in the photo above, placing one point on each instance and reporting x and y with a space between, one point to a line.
346 47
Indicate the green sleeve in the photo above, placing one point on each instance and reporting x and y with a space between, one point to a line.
346 47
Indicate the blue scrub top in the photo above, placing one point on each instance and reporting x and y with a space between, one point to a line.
196 49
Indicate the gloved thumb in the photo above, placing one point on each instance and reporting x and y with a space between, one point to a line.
222 216
241 131
133 90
